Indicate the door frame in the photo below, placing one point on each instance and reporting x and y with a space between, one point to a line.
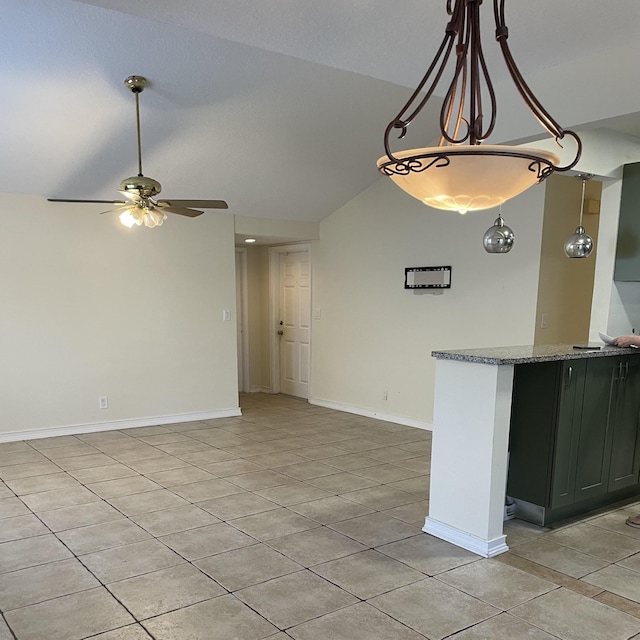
242 281
274 308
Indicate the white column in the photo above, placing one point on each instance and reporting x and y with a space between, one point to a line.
472 413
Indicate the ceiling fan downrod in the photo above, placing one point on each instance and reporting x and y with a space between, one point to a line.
137 85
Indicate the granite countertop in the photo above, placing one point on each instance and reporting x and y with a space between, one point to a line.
531 353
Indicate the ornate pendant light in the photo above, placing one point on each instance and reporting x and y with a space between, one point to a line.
461 174
580 244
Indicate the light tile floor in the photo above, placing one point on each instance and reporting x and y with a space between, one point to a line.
292 521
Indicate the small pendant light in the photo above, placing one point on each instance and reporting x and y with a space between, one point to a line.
580 244
498 238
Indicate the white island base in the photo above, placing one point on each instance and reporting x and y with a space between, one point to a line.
472 414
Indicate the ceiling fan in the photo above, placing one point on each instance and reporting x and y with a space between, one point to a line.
140 206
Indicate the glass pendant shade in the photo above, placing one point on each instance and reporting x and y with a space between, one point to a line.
499 238
579 244
467 178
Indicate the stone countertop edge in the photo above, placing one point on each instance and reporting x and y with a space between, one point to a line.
528 353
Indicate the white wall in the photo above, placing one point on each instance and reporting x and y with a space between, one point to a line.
283 230
624 314
374 336
91 309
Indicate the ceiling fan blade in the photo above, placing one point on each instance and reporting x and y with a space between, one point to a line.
200 204
86 201
117 209
181 211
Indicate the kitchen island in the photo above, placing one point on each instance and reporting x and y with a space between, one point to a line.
578 403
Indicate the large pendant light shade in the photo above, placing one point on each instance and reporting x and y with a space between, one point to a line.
466 178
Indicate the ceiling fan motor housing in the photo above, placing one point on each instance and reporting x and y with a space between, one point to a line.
143 186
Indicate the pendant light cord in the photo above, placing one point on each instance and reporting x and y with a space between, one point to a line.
584 184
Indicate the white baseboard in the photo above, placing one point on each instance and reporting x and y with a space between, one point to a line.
259 389
70 430
368 413
485 548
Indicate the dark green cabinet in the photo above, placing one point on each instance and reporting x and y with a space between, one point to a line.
593 436
574 436
569 398
625 407
627 268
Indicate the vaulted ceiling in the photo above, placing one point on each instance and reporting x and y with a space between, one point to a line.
277 106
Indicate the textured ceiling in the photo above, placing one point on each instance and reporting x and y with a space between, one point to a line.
277 106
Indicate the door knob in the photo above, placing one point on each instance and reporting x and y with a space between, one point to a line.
281 332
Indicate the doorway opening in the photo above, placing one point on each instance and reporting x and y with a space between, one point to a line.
273 285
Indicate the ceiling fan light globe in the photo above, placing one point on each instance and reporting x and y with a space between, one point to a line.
127 219
154 216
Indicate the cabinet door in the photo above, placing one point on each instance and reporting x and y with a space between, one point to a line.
571 388
594 441
627 267
625 453
533 431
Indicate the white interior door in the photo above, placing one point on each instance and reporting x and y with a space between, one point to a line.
295 323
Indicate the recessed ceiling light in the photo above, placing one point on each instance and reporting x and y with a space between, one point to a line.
249 240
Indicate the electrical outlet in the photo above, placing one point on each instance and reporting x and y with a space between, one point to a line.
544 321
103 402
385 394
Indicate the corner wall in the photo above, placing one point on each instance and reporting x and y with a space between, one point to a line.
259 346
374 336
566 285
93 309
